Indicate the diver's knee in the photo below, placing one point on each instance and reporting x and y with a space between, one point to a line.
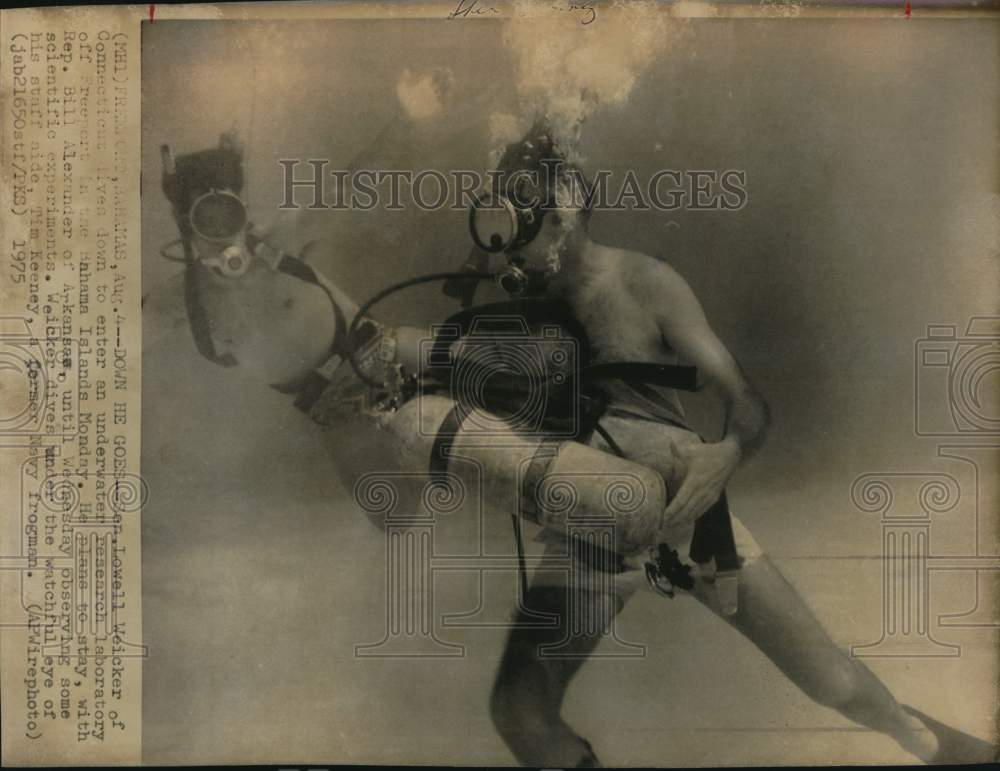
839 687
601 485
519 713
518 695
638 508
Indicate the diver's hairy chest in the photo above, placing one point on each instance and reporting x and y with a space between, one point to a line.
619 329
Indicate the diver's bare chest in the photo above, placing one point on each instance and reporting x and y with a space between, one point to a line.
618 328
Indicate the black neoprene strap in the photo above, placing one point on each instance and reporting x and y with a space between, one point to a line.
198 320
713 537
537 467
539 464
713 531
441 449
637 373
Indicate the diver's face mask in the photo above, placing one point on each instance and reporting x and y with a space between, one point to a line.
498 223
218 221
218 227
508 219
507 222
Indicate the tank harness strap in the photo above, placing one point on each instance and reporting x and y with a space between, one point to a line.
438 469
713 537
615 448
713 531
309 389
641 374
441 448
298 268
198 316
533 476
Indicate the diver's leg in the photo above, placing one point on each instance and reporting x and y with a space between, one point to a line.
774 617
528 693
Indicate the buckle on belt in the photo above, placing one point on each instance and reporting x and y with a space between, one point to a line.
665 571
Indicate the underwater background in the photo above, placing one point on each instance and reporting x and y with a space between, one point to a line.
870 151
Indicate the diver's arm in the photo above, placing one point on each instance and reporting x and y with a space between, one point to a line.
747 418
683 325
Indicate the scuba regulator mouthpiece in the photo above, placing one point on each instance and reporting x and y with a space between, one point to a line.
502 223
512 279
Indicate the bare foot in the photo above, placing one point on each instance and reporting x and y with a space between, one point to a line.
953 746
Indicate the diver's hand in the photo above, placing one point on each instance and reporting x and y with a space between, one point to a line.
705 469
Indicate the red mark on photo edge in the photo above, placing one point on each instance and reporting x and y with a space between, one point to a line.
907 10
152 10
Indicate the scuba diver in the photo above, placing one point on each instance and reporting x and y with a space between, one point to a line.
251 305
636 307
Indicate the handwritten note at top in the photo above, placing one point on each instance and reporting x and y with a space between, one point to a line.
466 9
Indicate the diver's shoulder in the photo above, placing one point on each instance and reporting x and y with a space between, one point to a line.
620 261
645 274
